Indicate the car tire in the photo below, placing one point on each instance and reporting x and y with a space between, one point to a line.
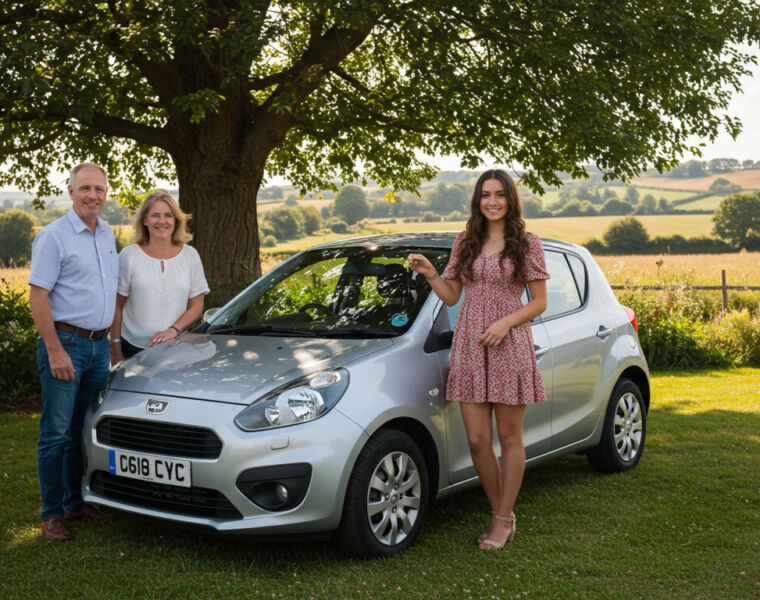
624 430
386 498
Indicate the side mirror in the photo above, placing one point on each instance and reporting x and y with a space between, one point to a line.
210 313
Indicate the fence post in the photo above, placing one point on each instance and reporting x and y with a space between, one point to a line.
723 289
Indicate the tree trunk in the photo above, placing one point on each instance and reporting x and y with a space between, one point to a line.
224 201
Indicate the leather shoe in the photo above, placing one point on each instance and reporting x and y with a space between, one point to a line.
55 529
88 513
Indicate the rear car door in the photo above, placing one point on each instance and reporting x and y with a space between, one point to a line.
580 340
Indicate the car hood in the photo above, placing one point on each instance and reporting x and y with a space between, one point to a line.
234 369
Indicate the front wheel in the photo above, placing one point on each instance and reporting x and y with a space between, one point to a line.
387 497
624 430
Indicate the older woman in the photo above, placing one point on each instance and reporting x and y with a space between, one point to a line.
161 280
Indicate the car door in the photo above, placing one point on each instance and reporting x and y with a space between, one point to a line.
537 427
580 339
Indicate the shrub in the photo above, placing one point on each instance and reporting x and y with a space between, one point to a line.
287 222
671 335
16 237
312 221
736 336
613 206
735 217
626 236
595 246
351 204
269 241
18 345
337 225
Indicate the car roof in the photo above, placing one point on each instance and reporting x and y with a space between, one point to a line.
422 239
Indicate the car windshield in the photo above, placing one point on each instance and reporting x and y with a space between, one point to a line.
336 292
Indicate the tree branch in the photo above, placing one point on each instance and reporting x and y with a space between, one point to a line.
143 134
323 55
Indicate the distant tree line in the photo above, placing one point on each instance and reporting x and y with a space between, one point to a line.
736 223
703 168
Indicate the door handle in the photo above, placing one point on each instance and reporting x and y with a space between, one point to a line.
540 350
603 332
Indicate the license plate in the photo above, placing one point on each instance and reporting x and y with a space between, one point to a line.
150 468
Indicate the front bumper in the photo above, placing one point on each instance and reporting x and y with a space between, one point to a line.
328 445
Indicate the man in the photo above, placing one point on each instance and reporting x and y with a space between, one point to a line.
73 280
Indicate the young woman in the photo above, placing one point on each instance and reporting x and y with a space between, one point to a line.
161 279
493 364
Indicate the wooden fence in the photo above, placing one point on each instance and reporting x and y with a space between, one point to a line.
722 287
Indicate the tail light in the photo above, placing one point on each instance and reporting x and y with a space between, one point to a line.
632 318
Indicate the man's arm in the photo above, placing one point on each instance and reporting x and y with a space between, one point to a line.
60 361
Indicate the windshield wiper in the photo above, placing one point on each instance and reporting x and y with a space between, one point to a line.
358 333
260 330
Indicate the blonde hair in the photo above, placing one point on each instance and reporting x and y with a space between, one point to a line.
180 235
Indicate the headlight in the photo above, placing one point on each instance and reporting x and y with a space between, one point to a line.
302 400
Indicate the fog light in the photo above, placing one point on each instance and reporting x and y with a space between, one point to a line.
282 493
275 488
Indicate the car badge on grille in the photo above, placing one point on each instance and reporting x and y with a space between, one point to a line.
155 407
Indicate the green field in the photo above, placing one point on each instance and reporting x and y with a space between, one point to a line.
682 525
709 203
552 196
570 229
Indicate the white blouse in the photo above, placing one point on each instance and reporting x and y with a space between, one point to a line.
156 296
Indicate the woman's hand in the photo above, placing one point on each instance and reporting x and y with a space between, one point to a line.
162 336
494 334
420 264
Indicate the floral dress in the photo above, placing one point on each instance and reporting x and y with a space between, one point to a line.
507 373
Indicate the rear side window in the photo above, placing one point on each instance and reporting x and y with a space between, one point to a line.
579 272
563 293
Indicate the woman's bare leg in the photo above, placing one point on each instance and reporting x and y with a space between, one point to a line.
509 425
478 424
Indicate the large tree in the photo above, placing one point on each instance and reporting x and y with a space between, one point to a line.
221 93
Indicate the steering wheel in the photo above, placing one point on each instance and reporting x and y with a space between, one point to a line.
321 307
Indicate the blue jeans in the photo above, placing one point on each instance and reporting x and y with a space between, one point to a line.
59 448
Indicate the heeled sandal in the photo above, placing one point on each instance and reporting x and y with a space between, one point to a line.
496 545
484 535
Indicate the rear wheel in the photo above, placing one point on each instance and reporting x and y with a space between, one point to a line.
386 498
624 430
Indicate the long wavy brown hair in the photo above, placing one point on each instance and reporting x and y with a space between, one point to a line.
515 244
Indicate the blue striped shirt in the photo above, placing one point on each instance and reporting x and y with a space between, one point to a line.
79 269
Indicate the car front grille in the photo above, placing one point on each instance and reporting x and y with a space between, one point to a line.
194 501
168 439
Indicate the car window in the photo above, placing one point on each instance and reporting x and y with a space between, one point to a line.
562 293
345 291
579 271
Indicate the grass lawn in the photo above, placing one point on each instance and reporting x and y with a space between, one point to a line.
683 524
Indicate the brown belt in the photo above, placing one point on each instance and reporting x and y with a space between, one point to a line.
81 331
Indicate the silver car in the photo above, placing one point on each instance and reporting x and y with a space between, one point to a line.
314 401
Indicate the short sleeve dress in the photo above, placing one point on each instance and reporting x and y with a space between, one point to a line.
507 373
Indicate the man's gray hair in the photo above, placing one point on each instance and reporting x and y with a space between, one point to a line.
80 166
